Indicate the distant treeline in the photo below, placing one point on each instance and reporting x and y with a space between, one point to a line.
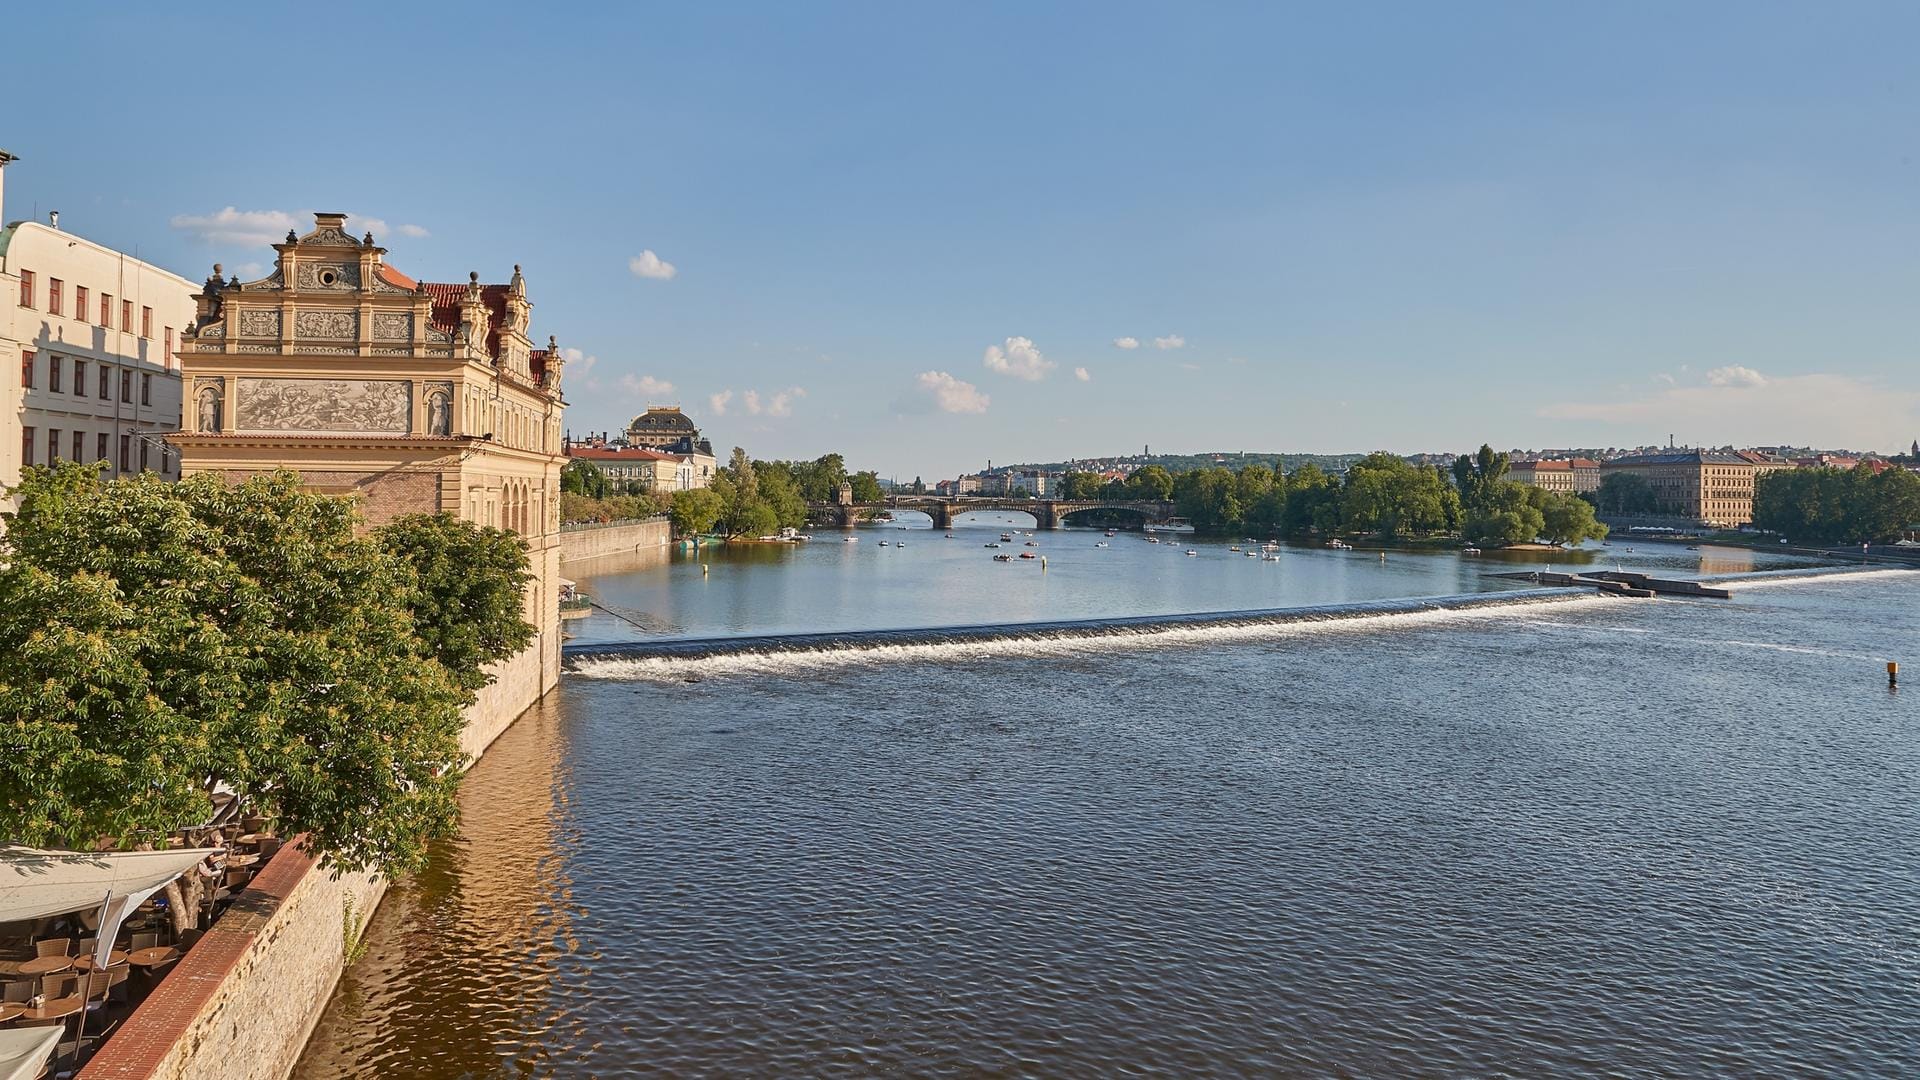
1180 463
1828 506
1380 495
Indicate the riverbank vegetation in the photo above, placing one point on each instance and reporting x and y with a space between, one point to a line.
1837 506
1381 496
162 640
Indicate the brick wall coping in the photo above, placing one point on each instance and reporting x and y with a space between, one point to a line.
164 1018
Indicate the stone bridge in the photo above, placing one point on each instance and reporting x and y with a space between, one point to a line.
1048 513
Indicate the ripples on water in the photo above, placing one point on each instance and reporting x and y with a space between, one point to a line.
1603 837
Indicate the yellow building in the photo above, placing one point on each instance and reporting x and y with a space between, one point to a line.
411 396
1713 487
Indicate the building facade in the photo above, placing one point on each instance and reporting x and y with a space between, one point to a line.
411 396
1571 475
666 429
1713 487
94 332
653 470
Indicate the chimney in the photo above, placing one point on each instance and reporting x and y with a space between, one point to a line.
5 158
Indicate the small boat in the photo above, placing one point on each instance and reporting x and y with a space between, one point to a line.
991 545
1270 558
1028 555
1192 554
1339 545
1253 554
1469 551
1101 543
1003 558
1032 544
851 540
1153 539
899 543
1693 547
949 536
883 543
1235 547
1110 532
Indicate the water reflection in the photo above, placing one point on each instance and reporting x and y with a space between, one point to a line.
458 974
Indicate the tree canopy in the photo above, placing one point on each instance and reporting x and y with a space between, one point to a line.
161 639
1827 505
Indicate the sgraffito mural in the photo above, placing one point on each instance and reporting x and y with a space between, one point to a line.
348 405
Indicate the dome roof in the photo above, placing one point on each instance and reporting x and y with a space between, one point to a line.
662 420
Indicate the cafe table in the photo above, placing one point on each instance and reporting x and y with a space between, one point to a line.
45 965
85 963
57 1009
153 957
10 1010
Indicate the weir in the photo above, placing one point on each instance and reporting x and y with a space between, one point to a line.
573 657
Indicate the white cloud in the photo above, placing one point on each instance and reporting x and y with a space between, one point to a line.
717 403
645 386
1824 410
1171 341
778 403
1019 358
1735 375
578 363
1081 374
952 395
1663 378
648 265
230 226
1126 343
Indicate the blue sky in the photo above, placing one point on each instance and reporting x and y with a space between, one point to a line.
914 234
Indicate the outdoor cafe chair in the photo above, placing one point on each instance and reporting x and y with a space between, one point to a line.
54 987
57 946
144 941
17 992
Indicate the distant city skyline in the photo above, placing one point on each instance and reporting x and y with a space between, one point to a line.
920 238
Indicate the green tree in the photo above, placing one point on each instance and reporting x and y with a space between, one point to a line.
1080 486
1568 519
1509 513
582 477
468 591
1313 500
694 512
163 639
782 497
1150 482
1625 493
1391 497
1476 475
866 487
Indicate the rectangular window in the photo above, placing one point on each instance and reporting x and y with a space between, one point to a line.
166 355
53 374
80 302
26 446
53 445
146 388
100 447
26 288
144 446
106 310
79 445
26 368
105 375
126 386
126 315
79 377
54 290
146 322
126 453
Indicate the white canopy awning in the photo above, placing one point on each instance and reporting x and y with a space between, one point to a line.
35 884
24 1050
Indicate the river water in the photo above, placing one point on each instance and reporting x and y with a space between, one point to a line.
1565 836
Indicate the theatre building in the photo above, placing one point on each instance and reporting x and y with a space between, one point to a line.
410 396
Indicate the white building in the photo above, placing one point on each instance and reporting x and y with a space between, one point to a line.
94 332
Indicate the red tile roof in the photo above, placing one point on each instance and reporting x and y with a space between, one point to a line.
610 453
395 278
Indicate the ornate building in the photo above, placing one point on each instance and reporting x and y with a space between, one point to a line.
666 429
410 396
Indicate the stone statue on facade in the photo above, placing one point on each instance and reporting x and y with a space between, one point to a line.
210 410
439 416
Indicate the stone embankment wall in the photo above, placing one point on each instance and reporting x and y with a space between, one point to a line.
581 542
241 1004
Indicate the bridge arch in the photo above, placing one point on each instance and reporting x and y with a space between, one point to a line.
1136 517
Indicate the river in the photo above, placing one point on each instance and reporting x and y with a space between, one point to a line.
1566 836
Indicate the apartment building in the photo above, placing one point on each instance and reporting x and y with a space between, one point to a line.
95 332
